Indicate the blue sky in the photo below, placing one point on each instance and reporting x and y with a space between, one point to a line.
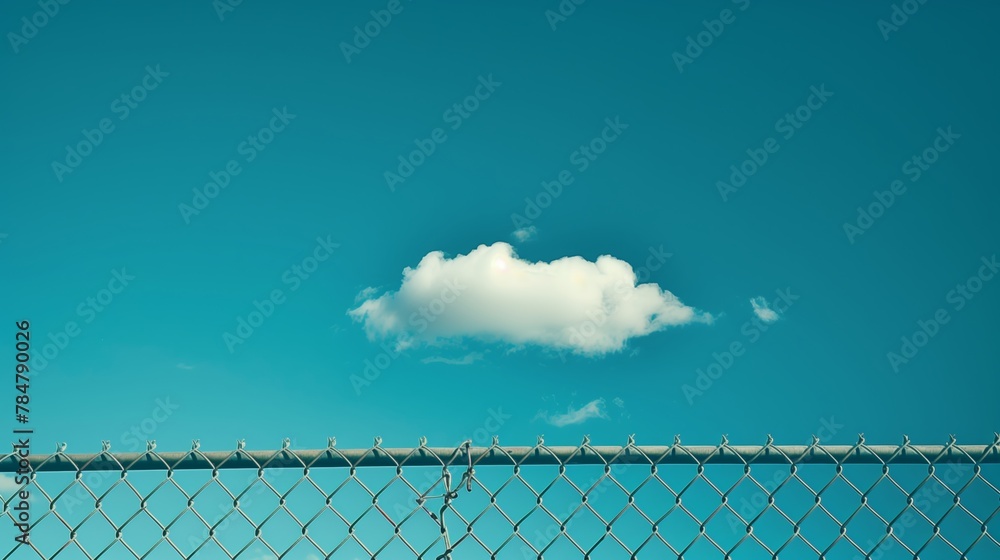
803 196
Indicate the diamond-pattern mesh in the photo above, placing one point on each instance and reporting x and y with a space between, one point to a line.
676 501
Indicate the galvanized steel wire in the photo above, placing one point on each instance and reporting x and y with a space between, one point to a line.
640 501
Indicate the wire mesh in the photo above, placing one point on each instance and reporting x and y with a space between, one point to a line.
631 501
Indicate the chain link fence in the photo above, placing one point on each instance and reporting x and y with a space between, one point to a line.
594 502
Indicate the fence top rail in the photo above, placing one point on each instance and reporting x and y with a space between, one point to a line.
539 454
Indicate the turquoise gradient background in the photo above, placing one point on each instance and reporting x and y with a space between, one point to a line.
824 362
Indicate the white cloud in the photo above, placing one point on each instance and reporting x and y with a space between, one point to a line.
463 361
593 409
618 402
490 294
8 486
763 310
365 294
525 233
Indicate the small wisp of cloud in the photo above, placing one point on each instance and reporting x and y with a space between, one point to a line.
622 411
365 294
763 310
593 409
7 486
525 233
9 489
463 361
